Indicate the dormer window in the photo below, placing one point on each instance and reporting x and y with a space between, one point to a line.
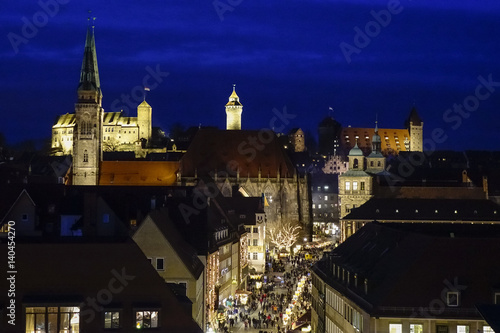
452 298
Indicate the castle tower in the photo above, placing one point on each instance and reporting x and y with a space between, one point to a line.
233 111
329 131
375 162
144 111
87 134
297 140
415 128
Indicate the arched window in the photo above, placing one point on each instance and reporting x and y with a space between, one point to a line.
371 163
355 163
85 156
379 164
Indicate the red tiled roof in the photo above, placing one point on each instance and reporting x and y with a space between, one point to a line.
225 151
138 173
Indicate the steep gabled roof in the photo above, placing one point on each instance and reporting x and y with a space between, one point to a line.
414 118
187 253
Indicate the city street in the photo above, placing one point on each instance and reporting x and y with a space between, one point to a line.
269 307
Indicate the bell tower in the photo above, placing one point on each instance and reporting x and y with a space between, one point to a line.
233 111
87 133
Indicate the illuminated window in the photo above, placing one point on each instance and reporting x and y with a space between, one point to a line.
462 329
146 319
395 328
354 186
326 197
255 256
488 329
111 319
53 319
255 242
416 328
347 186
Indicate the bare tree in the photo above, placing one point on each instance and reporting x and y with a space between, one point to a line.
110 145
283 234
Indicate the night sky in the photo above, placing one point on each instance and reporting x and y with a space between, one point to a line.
305 56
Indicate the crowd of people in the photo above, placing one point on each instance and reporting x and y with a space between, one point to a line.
274 294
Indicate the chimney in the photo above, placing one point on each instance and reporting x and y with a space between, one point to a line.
485 186
89 214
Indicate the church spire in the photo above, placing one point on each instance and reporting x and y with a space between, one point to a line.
89 74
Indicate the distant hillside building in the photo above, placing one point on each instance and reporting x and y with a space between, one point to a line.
335 139
90 131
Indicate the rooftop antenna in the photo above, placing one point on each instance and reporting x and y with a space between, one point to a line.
234 86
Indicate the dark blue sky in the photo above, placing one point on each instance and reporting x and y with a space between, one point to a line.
279 54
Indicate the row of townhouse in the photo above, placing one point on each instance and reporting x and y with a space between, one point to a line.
410 278
77 237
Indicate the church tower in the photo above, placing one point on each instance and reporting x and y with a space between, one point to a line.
355 188
233 111
415 128
87 133
375 162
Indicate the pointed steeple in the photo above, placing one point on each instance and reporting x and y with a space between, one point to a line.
413 118
89 74
376 143
233 99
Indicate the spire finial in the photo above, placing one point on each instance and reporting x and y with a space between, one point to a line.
91 18
234 86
